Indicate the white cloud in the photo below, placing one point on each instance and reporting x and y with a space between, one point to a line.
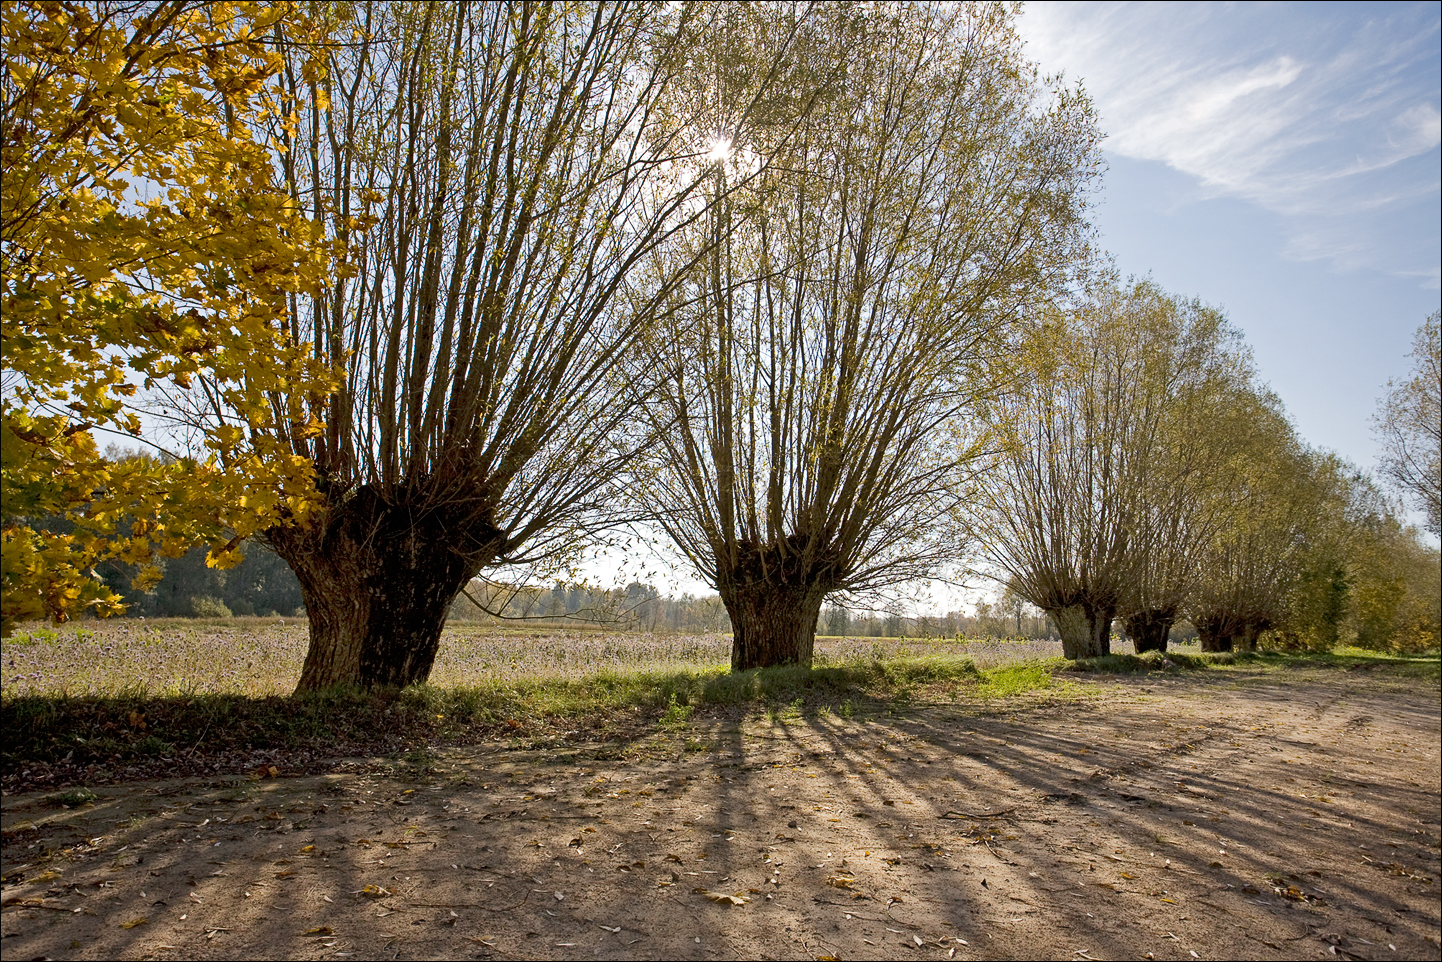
1320 113
1422 126
1431 279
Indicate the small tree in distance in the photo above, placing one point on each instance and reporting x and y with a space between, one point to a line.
1409 426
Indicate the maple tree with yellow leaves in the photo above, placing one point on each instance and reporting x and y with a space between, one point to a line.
145 253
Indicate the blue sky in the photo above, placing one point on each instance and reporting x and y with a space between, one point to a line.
1279 161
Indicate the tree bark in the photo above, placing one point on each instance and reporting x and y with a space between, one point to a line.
1214 633
1086 629
772 624
378 580
1150 629
1246 637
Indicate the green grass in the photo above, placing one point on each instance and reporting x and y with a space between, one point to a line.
1425 666
1006 681
132 725
119 719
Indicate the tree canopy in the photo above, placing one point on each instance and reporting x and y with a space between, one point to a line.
811 388
1113 449
518 163
143 247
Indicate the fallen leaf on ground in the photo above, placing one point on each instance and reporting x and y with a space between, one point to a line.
722 897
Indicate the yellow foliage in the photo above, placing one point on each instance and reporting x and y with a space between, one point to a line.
144 249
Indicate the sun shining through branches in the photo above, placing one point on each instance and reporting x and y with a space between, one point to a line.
720 151
804 386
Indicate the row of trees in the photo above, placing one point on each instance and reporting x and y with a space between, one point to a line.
1144 475
431 291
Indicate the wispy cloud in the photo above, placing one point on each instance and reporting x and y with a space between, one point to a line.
1324 113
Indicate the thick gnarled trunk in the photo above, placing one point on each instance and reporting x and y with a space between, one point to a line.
773 594
1229 632
1150 629
772 624
378 580
1085 628
1214 633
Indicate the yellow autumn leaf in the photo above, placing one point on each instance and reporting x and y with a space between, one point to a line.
107 293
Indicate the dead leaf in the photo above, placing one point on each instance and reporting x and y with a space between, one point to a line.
134 922
375 892
722 897
840 881
320 930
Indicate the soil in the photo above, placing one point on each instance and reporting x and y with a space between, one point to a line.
1227 815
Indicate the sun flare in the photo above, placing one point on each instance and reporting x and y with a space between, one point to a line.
720 149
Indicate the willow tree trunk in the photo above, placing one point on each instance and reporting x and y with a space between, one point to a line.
772 624
1214 633
1246 638
378 579
1150 629
1086 629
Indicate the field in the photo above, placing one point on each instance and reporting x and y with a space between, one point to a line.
623 797
263 656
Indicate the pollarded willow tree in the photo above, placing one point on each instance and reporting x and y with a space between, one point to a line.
850 313
1193 415
1110 452
495 172
1284 522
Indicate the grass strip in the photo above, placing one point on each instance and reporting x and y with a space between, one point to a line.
1423 666
133 725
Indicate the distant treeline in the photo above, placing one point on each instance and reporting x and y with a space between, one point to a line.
264 585
640 607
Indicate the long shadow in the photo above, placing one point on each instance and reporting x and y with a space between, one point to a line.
1138 824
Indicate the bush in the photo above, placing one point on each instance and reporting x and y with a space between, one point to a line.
206 606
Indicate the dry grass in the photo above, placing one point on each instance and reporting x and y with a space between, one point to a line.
263 656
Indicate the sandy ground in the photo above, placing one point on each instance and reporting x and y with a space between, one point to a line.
1234 815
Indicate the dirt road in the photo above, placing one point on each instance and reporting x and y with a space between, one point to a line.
1221 815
